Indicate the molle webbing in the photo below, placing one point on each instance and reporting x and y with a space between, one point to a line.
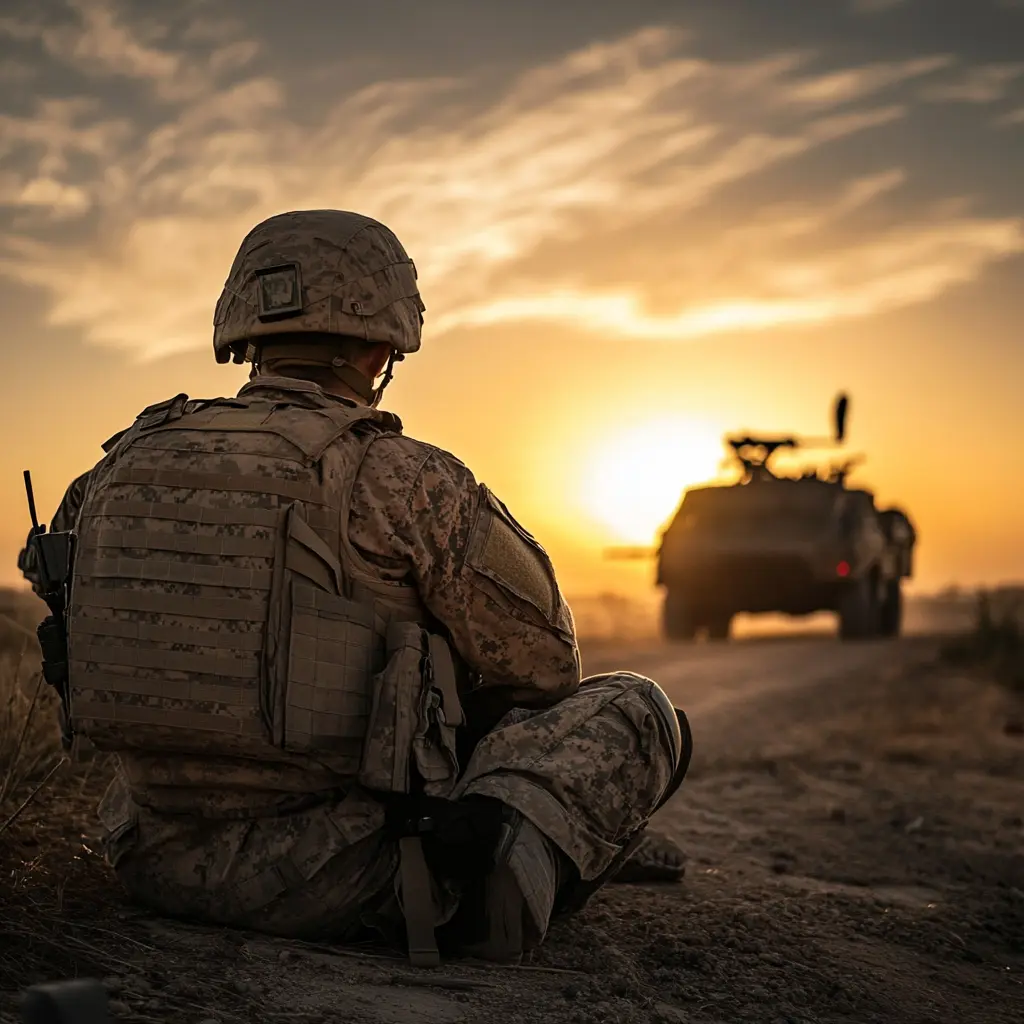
323 520
331 643
166 571
218 613
209 658
169 610
208 609
161 603
296 490
146 540
163 634
170 720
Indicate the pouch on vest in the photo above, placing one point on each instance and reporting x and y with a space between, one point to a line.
322 656
410 740
213 614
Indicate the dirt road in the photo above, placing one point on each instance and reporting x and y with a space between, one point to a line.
853 822
709 679
853 815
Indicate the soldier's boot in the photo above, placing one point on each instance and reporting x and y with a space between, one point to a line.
537 874
658 858
529 871
519 892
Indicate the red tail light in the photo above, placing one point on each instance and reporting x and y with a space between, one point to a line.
843 569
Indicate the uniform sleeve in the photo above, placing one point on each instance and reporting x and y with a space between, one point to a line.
486 580
64 518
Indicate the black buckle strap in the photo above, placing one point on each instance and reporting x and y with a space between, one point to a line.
444 839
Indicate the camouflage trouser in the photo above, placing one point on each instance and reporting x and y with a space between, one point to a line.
587 773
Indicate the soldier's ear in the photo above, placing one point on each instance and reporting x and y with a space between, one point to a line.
377 359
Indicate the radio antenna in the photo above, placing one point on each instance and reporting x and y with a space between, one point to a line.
31 501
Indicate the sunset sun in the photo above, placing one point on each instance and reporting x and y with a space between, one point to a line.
635 478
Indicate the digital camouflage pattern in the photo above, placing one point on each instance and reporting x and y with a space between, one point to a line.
586 764
208 625
322 271
417 556
587 772
330 872
301 846
412 517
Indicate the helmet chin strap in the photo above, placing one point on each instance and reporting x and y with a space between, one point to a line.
354 379
362 385
389 372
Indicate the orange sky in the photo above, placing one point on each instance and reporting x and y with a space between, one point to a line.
623 244
533 415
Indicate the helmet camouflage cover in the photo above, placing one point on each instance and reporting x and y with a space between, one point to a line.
319 271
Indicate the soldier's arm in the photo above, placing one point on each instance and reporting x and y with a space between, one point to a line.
63 519
66 516
481 575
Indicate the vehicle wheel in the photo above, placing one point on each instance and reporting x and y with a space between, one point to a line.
858 611
719 627
676 618
892 609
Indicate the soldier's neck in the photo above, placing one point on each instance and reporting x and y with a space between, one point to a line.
340 391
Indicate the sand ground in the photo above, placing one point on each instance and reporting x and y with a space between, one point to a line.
853 819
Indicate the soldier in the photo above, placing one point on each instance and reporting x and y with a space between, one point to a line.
340 679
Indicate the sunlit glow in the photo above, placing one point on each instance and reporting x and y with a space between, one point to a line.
635 478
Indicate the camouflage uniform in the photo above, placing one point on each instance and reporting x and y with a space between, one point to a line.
295 839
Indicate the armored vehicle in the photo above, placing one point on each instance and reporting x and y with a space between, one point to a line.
792 544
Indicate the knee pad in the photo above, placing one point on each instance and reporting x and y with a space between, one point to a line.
673 724
683 764
676 729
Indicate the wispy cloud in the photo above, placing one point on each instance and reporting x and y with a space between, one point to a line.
786 279
96 40
563 197
854 83
986 84
1013 117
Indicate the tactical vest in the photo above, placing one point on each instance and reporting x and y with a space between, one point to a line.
218 611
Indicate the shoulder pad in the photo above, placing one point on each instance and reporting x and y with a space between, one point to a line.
159 414
501 550
198 404
502 508
389 423
111 441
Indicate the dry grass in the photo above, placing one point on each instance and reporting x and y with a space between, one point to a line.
44 934
996 643
29 737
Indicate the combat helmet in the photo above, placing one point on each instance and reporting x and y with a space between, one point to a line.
319 272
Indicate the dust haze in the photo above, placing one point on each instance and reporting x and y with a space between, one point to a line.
627 617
